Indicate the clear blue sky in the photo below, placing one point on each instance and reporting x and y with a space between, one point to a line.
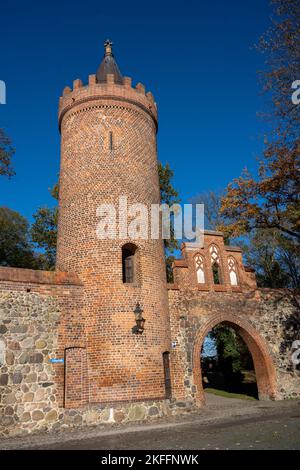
197 58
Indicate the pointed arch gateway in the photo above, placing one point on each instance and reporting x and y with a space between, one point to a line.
263 364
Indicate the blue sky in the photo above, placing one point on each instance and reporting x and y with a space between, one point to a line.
197 58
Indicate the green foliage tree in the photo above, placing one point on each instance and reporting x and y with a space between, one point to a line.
170 196
44 231
233 354
274 257
16 249
6 154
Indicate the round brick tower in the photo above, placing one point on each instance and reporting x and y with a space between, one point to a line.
108 150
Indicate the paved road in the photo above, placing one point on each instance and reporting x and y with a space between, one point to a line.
276 433
224 424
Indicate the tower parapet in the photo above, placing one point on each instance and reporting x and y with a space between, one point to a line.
114 94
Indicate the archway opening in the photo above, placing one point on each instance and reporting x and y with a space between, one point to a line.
263 365
227 365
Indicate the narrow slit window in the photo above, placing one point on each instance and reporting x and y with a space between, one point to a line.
110 141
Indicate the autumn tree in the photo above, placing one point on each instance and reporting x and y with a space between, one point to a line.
6 154
270 200
280 46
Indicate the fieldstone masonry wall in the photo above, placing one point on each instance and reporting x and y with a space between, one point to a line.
277 318
28 326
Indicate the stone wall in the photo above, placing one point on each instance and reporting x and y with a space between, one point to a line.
28 327
268 321
39 320
277 318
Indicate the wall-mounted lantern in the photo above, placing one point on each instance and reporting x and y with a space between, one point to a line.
140 321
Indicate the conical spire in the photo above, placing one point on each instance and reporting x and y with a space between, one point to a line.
108 65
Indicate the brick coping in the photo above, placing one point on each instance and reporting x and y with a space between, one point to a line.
33 276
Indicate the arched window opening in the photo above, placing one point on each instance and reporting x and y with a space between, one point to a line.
199 262
232 271
227 364
167 374
129 263
215 264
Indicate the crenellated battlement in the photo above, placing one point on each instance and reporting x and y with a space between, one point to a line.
108 91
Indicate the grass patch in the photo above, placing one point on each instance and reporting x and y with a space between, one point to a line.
222 393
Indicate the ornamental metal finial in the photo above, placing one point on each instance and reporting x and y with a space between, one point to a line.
108 47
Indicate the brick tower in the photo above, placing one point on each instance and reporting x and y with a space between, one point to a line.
108 150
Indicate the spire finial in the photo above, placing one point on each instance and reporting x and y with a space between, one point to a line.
108 66
108 47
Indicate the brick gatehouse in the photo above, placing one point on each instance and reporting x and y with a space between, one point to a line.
71 352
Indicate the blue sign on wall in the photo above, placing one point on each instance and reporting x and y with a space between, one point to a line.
57 361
